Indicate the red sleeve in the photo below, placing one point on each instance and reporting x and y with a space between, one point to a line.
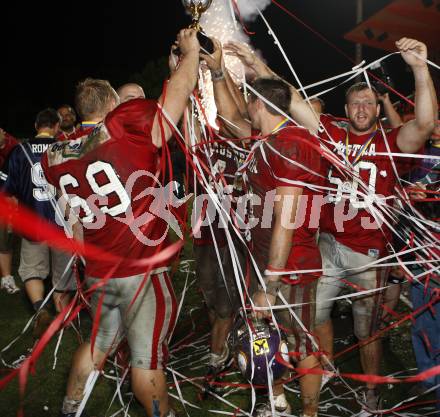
329 120
293 158
325 119
132 121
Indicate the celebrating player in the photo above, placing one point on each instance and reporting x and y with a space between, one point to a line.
130 91
26 182
287 164
124 149
68 122
7 144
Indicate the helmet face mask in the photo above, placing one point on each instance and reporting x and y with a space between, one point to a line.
255 345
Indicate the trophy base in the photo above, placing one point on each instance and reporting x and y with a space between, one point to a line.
206 45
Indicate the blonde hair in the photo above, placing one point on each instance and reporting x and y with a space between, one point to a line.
93 98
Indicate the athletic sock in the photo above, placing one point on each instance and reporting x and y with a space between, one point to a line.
280 401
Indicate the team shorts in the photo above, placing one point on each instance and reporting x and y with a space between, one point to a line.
220 294
299 329
5 239
36 260
336 260
147 321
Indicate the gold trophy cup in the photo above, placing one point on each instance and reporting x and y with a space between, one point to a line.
197 8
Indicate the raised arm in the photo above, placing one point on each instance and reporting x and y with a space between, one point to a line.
227 107
180 85
249 59
414 133
236 94
390 112
300 109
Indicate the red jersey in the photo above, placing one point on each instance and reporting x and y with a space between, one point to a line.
222 161
111 177
81 130
373 175
66 136
288 158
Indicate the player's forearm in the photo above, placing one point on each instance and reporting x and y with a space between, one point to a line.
235 93
184 79
414 133
284 218
280 247
180 86
262 70
227 108
302 111
390 112
426 107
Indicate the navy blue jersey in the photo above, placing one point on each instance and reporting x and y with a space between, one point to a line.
26 180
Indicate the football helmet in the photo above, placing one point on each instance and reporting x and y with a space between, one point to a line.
255 343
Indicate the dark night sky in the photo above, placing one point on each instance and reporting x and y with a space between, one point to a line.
47 48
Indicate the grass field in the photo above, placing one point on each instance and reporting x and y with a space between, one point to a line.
46 385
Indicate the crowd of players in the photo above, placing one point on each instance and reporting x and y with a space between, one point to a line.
286 216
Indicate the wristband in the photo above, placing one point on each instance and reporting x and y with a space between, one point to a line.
217 75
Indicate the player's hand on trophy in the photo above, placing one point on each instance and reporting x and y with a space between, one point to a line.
214 61
187 41
413 52
263 299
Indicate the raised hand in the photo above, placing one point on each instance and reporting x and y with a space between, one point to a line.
242 51
187 41
413 52
262 299
248 57
214 61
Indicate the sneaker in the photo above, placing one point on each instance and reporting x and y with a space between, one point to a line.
211 377
372 403
281 406
42 322
219 361
327 378
216 365
8 283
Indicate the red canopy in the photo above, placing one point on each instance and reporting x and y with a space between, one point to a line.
418 19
